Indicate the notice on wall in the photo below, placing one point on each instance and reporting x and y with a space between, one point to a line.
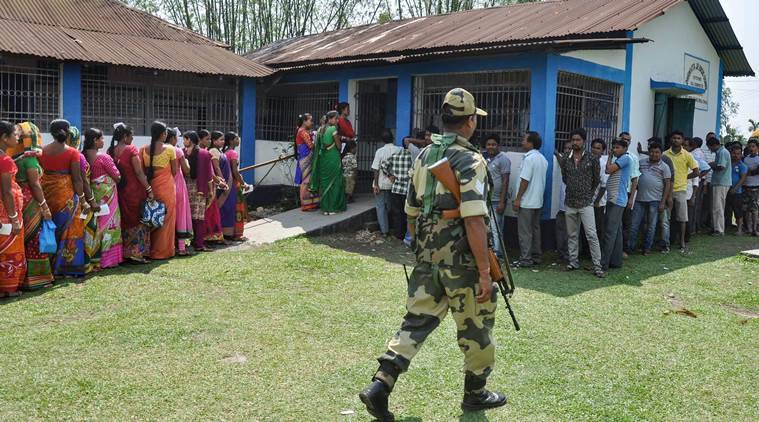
697 75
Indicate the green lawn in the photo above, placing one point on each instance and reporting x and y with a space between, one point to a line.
256 335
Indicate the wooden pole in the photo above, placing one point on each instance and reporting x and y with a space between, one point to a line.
266 163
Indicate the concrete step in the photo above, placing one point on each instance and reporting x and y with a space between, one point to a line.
296 222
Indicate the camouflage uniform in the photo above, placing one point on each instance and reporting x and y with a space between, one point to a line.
445 276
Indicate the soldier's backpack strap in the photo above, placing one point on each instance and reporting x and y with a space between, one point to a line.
440 144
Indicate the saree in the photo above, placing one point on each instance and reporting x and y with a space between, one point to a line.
135 239
228 208
69 232
12 257
108 234
91 245
184 215
39 273
63 202
214 231
327 176
197 192
162 240
309 201
240 207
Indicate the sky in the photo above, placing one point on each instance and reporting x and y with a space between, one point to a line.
742 14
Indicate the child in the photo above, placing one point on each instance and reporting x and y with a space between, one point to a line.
350 167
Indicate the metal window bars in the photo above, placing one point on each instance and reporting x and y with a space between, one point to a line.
505 95
138 97
278 108
589 103
30 93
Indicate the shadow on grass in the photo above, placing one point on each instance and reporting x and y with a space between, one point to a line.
124 269
550 277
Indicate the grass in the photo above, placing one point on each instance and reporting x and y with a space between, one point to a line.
168 341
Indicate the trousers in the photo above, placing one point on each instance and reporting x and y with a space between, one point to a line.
528 225
398 215
648 211
719 199
577 218
433 291
611 256
382 204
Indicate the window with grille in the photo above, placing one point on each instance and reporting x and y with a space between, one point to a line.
30 92
585 102
504 95
278 108
138 97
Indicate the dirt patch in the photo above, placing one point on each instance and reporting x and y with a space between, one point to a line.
677 307
741 312
369 243
236 358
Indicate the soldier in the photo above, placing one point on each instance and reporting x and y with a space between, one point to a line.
452 270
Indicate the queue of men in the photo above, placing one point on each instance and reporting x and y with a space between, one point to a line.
612 202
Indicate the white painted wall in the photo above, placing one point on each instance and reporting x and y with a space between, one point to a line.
674 34
610 58
283 172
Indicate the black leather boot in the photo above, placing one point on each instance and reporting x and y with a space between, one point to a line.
375 397
482 400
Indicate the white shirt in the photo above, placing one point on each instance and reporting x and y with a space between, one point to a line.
603 160
381 155
533 169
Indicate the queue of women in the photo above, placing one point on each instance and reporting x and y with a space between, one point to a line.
323 163
67 212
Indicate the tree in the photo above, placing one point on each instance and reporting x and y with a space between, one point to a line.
246 25
731 135
753 125
729 108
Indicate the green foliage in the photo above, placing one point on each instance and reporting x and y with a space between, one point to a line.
290 333
728 109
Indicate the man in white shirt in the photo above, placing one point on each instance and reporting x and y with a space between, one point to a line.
382 184
528 203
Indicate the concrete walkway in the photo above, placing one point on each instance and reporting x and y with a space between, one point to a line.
296 222
751 254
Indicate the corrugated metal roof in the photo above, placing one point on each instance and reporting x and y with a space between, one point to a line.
107 31
552 19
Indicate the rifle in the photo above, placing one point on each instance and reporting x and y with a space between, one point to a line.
443 172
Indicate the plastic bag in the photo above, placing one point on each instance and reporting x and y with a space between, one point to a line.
47 237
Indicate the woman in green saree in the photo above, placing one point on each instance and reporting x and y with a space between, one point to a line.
327 174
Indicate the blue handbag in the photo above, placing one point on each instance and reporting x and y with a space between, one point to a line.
47 237
153 214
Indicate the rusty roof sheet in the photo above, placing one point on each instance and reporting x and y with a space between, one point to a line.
551 19
107 31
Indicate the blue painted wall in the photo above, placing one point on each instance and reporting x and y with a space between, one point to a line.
627 102
403 109
71 94
248 126
544 70
720 83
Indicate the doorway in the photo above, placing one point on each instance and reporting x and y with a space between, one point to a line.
673 113
374 114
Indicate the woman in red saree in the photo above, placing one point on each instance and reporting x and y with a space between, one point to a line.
64 192
160 167
133 190
39 272
12 257
304 147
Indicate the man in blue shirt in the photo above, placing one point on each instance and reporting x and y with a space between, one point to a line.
722 181
618 169
738 173
528 203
